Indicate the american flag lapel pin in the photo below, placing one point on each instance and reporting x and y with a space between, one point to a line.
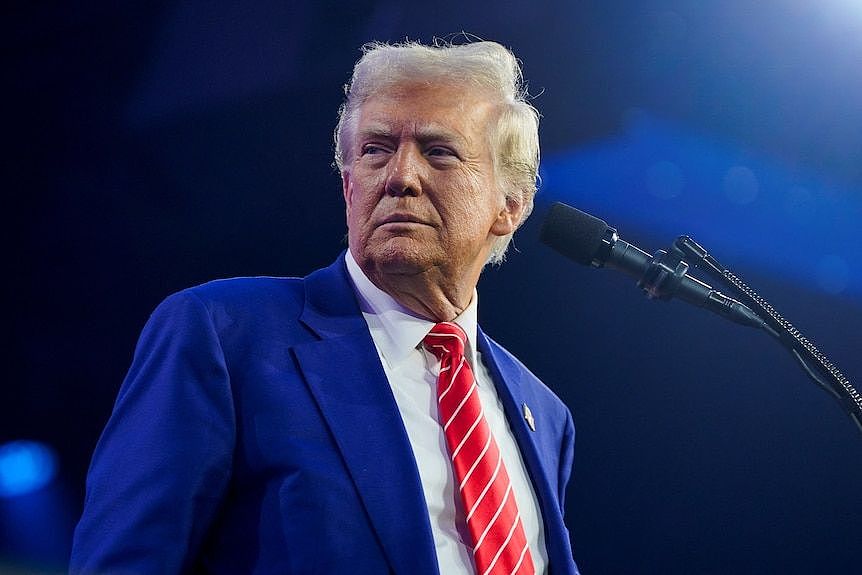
528 416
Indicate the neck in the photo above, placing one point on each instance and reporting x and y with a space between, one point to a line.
432 294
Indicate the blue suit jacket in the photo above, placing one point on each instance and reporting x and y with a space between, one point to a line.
256 433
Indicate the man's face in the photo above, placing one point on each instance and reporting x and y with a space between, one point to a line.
419 185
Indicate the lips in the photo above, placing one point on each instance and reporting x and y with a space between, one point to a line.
400 218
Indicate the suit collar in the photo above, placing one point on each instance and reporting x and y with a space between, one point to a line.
330 308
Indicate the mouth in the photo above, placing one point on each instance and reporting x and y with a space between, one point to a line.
402 219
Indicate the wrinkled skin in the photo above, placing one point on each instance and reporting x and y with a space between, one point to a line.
423 202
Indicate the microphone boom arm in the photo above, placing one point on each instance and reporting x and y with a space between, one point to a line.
818 367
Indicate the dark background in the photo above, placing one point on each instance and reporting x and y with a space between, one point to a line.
156 146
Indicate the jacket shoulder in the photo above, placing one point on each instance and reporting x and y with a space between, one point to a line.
244 305
248 291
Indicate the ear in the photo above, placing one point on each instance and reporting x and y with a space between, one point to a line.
508 218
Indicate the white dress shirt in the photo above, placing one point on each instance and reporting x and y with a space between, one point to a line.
412 374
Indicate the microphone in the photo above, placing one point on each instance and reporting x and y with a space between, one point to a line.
590 241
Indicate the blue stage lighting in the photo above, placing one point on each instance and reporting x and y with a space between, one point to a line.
749 209
25 466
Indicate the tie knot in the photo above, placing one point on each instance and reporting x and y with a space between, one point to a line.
446 338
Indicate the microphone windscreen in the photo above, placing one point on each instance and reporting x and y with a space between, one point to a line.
575 234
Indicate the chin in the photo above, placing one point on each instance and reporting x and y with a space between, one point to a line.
401 256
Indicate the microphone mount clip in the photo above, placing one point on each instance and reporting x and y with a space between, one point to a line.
663 276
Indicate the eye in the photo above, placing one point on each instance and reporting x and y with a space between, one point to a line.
440 151
372 149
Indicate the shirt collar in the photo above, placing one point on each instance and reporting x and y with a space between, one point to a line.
396 330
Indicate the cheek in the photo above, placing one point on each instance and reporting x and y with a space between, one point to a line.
467 221
475 203
369 182
363 202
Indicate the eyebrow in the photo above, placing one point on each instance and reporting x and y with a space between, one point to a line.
425 134
375 131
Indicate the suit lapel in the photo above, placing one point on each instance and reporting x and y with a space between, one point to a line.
344 373
514 394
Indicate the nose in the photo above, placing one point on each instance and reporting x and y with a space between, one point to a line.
405 172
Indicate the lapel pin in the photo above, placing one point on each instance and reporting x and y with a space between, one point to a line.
528 416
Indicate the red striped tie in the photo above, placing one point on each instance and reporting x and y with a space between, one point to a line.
499 543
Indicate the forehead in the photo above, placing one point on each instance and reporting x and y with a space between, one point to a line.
441 106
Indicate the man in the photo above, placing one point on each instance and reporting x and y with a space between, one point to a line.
272 425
